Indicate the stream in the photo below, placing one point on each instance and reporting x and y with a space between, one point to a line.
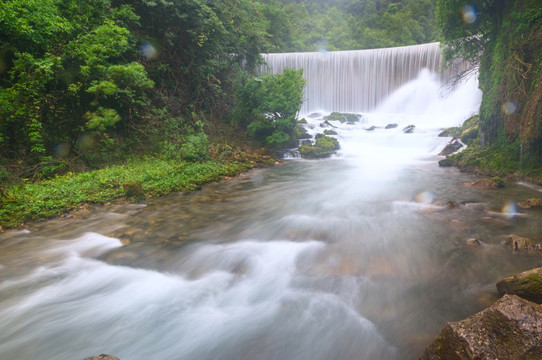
353 257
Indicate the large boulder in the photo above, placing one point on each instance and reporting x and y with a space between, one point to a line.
509 329
527 285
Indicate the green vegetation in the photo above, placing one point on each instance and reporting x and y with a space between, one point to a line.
502 158
100 84
504 39
133 180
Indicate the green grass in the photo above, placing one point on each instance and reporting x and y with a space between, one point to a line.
57 196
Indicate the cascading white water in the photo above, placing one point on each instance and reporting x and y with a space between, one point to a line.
356 81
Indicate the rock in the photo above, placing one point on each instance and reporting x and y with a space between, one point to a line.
452 147
445 163
473 243
391 126
370 128
133 189
509 329
343 117
306 142
327 124
330 132
530 203
493 183
452 204
102 357
409 129
527 285
520 244
325 146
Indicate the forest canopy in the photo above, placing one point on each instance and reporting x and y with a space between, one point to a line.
89 83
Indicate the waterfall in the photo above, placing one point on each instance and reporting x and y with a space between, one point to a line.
355 81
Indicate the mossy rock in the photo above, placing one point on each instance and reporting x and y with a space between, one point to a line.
325 146
508 329
469 135
330 132
133 189
527 285
302 121
343 117
451 132
327 124
301 133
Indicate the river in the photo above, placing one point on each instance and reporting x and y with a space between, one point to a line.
353 257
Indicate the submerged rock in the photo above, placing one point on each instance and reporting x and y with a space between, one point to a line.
102 357
530 203
493 183
509 329
391 126
370 128
520 244
527 285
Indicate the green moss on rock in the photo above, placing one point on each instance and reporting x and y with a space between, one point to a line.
325 146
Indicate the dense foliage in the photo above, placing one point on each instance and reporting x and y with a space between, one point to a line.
89 83
503 38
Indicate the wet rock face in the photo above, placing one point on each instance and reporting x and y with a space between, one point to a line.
527 285
509 329
451 147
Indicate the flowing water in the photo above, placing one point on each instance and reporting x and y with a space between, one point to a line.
352 257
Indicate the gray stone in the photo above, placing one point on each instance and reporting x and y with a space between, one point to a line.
509 329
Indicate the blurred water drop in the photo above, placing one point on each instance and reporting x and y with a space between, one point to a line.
62 150
509 210
148 51
86 141
469 14
509 107
425 197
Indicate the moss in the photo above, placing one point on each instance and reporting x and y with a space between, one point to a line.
343 117
325 146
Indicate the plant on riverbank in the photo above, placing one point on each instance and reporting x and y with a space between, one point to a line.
61 194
